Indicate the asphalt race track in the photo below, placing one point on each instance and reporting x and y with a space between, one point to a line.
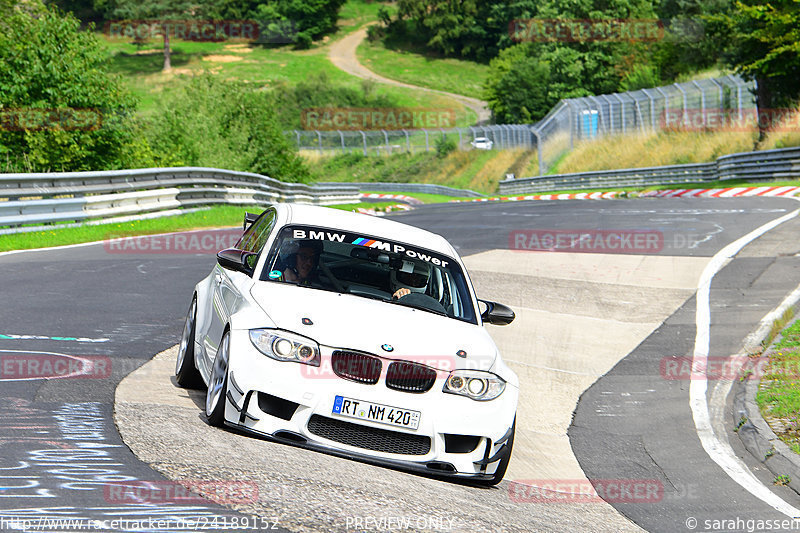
599 326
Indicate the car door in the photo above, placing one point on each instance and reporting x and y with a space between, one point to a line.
227 287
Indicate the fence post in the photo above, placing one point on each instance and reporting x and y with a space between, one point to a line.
570 125
427 144
319 140
721 97
408 142
386 140
621 112
341 138
685 110
652 110
364 140
702 99
538 149
666 102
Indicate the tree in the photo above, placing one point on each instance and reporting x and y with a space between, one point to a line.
52 77
161 11
764 45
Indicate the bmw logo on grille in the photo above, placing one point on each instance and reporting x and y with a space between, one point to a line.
387 347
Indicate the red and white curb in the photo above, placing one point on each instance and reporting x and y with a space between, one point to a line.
387 209
570 196
401 197
730 192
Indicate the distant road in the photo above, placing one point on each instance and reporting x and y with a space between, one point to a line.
343 54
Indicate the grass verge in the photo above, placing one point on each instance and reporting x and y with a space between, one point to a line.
213 217
778 396
399 61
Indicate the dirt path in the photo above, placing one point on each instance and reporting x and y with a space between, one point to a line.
343 55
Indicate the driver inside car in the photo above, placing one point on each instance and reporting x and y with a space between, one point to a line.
302 264
410 278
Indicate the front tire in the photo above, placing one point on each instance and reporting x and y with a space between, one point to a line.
216 395
186 373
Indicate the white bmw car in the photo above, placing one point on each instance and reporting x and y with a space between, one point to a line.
354 335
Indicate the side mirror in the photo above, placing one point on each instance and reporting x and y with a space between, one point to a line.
497 314
237 260
249 218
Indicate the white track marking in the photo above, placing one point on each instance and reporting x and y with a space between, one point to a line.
720 453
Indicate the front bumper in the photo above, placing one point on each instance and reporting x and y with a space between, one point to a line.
457 437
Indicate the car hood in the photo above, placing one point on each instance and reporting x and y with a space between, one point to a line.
357 323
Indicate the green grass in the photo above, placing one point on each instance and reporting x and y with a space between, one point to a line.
356 13
218 216
478 170
779 392
259 65
402 62
213 217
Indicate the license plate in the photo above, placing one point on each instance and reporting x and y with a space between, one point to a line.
375 412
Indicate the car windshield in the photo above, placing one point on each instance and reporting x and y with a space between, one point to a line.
369 267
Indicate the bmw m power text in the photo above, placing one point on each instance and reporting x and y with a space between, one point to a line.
366 343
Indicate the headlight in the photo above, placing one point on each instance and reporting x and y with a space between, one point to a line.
285 346
475 384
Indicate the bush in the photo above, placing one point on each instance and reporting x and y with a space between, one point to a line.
47 64
444 146
224 124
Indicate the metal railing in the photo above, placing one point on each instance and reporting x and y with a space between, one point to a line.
387 142
766 165
427 188
646 110
78 196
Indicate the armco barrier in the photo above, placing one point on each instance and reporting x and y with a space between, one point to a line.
427 188
750 166
76 196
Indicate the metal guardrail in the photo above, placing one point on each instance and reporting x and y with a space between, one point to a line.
749 166
76 196
427 188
